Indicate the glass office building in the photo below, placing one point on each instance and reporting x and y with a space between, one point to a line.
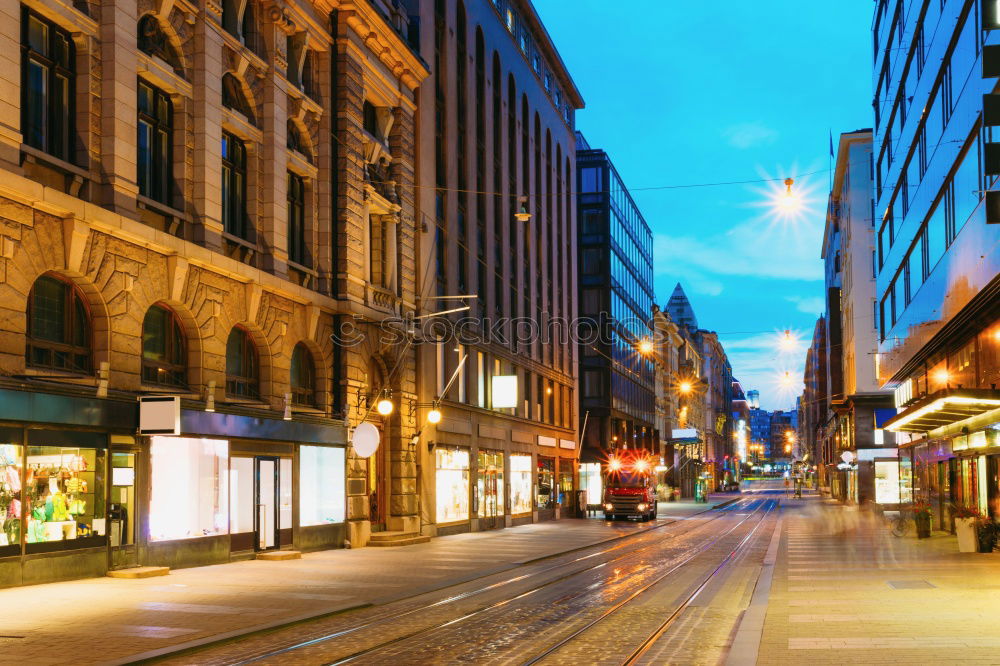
937 261
616 298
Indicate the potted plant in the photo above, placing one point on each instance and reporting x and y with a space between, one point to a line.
922 519
986 534
965 528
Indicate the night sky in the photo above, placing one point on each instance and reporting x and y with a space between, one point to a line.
691 93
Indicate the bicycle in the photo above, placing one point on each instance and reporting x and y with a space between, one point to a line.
900 521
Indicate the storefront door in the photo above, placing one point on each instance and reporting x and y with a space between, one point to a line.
266 503
489 489
258 485
122 515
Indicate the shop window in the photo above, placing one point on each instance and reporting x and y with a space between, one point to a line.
520 484
11 496
303 377
296 193
153 40
164 349
58 335
64 490
321 485
154 149
452 477
234 186
189 495
48 86
546 497
242 368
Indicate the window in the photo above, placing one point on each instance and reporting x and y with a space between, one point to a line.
590 179
164 349
47 86
593 384
64 489
153 40
234 97
303 377
234 186
295 141
322 497
377 243
155 163
296 193
967 187
242 379
591 261
58 334
189 494
452 484
369 120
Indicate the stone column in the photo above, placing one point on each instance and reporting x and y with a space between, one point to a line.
119 106
207 112
272 208
10 85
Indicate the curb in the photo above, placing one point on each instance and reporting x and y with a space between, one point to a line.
152 656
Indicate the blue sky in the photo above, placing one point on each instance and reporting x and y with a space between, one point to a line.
682 93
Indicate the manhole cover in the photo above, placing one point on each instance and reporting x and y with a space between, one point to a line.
910 584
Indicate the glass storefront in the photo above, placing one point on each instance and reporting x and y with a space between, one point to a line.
489 484
10 492
452 484
592 483
189 488
887 482
520 484
322 498
546 498
566 497
64 490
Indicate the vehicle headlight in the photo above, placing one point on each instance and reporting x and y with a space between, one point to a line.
642 507
609 506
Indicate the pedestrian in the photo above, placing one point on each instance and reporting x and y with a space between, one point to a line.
786 485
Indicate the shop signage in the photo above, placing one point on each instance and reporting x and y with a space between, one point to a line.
504 391
546 441
159 415
567 444
977 440
847 457
365 440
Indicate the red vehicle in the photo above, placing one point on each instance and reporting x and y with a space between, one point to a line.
630 487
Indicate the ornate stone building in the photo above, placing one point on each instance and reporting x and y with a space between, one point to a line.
213 201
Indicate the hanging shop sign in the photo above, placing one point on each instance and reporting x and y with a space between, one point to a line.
504 391
159 415
365 440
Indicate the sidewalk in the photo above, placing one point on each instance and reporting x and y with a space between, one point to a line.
846 590
101 620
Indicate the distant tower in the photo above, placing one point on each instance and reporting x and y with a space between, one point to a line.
753 399
680 310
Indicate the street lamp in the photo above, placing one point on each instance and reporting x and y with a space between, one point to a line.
645 347
384 407
684 387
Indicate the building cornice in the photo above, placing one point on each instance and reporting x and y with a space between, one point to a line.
383 41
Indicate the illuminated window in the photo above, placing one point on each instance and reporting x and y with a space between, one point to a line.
164 349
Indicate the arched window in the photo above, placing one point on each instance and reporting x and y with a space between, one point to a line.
154 41
303 377
164 348
58 327
242 369
233 96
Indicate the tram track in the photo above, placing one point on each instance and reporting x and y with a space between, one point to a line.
392 617
655 636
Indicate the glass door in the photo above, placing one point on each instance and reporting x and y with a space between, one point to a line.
266 502
121 511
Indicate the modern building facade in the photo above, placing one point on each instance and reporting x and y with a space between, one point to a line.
937 282
760 433
497 167
185 215
618 393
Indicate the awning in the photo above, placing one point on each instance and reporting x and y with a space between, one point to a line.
944 408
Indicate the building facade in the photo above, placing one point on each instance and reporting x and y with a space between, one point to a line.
760 434
814 407
184 216
617 380
856 402
937 282
497 165
718 395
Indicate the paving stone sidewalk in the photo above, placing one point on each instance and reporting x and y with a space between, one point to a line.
846 591
107 620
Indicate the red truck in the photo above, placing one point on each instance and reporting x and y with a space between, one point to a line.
630 487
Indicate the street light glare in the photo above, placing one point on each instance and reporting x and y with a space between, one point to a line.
645 347
684 387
